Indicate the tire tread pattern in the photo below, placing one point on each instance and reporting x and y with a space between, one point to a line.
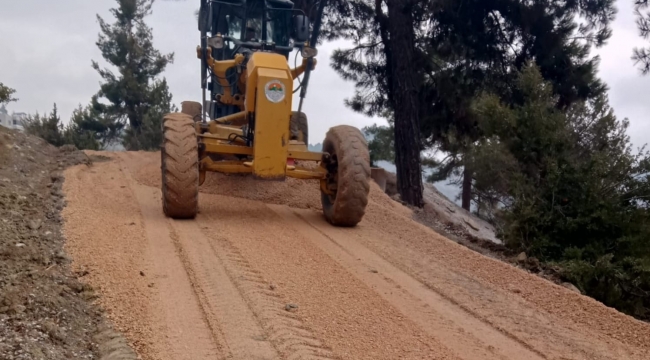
180 167
351 149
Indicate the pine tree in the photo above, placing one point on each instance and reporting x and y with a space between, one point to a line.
6 94
405 99
462 48
135 96
570 189
642 55
49 128
381 143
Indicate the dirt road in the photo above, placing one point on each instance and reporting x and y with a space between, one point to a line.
260 275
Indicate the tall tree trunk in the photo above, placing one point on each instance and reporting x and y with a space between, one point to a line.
405 101
467 189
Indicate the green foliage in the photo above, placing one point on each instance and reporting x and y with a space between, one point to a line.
148 136
642 55
570 189
87 129
48 128
134 98
6 94
463 48
381 143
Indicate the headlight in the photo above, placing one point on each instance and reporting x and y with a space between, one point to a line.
308 52
216 42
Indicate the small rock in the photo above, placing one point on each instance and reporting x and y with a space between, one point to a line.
35 224
61 256
291 307
374 271
82 273
533 262
131 223
54 331
272 286
47 233
571 287
141 273
522 257
20 245
150 285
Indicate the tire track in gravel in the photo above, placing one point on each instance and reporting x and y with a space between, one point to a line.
188 333
387 289
470 337
241 310
284 329
469 280
129 256
223 300
334 308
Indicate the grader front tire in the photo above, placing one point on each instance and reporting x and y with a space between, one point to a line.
349 176
180 167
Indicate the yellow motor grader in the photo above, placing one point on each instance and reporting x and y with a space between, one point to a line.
246 125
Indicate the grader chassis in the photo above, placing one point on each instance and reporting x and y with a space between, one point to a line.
247 126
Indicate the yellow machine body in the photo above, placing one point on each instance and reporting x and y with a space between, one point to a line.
266 100
270 73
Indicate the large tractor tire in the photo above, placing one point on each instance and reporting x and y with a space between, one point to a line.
348 176
180 167
299 127
193 109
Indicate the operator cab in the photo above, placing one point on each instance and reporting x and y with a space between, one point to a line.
246 26
267 23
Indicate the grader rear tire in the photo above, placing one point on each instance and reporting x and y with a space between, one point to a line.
351 176
193 109
299 127
180 167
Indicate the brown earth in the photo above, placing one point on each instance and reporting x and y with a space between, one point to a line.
45 312
259 274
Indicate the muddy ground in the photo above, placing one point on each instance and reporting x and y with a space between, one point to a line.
45 311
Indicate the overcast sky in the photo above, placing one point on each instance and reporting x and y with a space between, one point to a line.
46 49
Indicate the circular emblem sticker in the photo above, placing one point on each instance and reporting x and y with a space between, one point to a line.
274 91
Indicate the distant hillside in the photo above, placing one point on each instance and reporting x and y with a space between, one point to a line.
317 147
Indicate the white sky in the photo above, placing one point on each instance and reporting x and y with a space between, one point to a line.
46 49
